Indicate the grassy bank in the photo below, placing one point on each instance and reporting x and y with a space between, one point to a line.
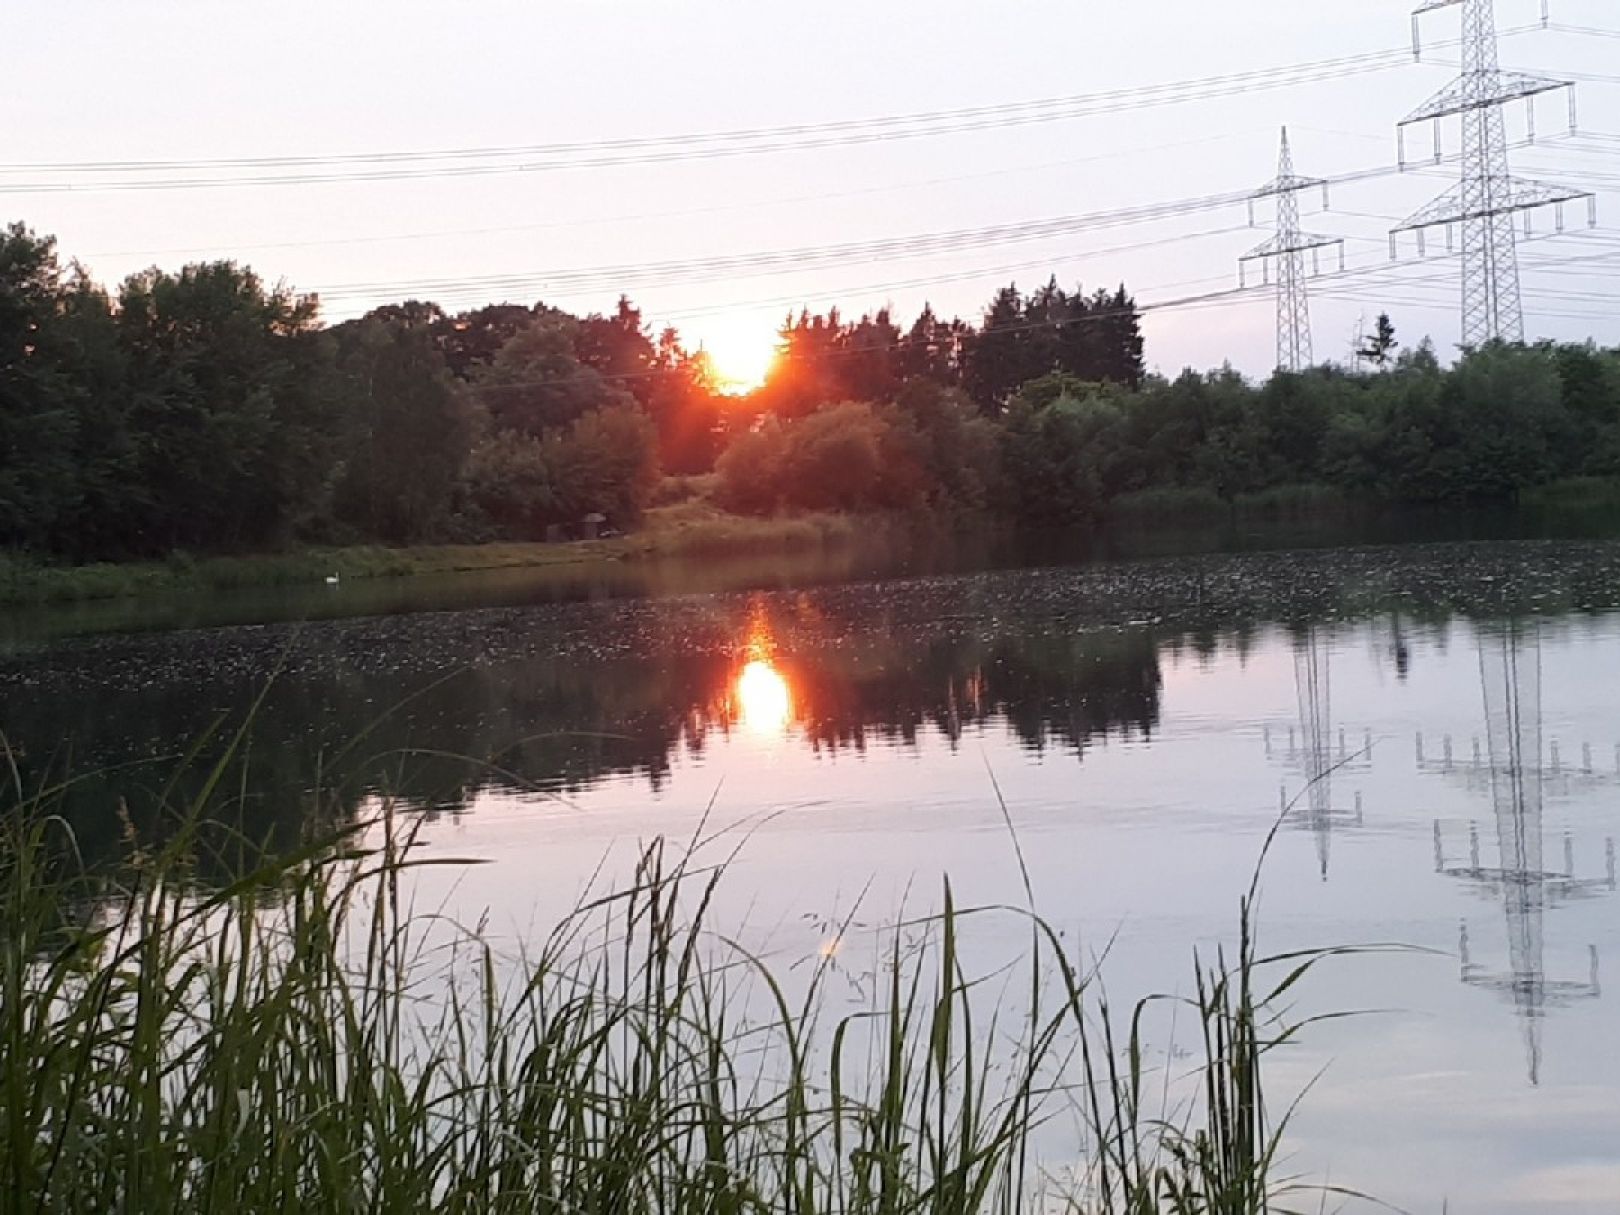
1576 493
1288 503
689 528
687 523
298 1039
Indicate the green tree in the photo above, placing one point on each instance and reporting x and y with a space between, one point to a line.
607 463
1062 447
230 388
956 445
691 415
1503 423
510 488
750 469
994 359
536 382
108 493
471 340
406 431
834 458
38 426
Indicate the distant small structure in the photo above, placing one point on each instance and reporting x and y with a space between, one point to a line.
332 580
592 527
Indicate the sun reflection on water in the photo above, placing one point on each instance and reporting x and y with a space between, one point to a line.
764 698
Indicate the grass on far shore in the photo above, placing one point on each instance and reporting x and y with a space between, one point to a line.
693 527
683 522
1306 502
1575 493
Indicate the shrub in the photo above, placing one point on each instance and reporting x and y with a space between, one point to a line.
750 470
607 462
834 458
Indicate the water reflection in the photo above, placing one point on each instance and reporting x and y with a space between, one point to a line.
1119 709
1517 779
766 702
1312 807
649 690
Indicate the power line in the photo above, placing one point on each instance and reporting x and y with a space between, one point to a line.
1586 30
795 301
788 260
690 212
1388 278
744 135
768 261
1373 276
393 165
1563 141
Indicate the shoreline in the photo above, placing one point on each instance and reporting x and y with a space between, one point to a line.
668 532
698 529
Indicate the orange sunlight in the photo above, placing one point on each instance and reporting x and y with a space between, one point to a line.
762 693
740 357
764 701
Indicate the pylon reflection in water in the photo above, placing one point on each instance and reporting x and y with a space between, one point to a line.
1510 678
1315 752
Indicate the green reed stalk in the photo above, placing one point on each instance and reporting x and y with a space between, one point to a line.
298 1038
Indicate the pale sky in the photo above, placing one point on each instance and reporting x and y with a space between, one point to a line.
178 80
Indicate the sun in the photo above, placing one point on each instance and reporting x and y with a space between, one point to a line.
741 357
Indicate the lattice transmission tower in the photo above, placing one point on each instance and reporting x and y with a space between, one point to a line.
1288 249
1487 200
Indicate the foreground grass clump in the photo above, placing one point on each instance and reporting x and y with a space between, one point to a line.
298 1039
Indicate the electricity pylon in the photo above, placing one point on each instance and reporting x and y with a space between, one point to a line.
1487 199
1288 249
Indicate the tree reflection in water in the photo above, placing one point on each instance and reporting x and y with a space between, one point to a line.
555 725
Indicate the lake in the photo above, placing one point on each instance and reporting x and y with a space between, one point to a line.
1430 729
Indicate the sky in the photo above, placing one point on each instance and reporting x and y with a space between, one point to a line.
91 81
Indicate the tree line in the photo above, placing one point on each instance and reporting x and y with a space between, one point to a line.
204 410
1064 449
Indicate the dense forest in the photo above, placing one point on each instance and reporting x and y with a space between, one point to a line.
205 411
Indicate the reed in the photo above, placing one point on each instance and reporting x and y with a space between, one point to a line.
300 1037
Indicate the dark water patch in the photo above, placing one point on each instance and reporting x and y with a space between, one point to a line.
1426 583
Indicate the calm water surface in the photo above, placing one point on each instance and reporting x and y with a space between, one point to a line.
1434 727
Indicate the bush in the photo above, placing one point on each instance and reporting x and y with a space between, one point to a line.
930 450
1061 459
749 472
607 463
834 459
510 482
831 460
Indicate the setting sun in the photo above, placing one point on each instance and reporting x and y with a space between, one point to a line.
740 358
